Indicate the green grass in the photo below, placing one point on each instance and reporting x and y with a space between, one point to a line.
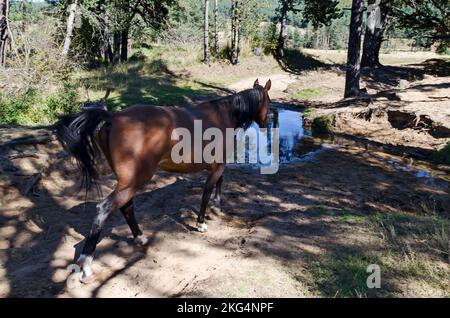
140 81
343 276
406 251
307 93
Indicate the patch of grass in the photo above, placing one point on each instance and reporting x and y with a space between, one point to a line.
307 93
141 81
406 254
317 209
308 112
344 276
323 124
442 155
352 217
398 229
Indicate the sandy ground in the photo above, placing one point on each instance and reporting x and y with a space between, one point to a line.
270 232
274 237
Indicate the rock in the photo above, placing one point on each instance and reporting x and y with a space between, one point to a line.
403 84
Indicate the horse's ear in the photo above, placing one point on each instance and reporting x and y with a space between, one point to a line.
256 83
268 85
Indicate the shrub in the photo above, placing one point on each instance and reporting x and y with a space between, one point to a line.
323 124
33 107
442 155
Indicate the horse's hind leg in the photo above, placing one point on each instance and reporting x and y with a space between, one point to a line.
114 201
212 179
128 213
217 199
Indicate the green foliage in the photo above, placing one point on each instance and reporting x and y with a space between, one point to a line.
427 19
307 93
320 12
32 107
270 39
442 155
323 124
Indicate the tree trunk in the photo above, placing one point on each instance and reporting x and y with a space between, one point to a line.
374 33
116 46
239 33
24 15
69 30
354 50
216 31
107 52
206 34
233 31
3 31
283 21
124 45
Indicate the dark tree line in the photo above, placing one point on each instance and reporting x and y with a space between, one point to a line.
106 25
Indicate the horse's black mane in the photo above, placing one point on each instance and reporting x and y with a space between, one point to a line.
244 106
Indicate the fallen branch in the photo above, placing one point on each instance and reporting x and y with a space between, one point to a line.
23 155
34 181
28 140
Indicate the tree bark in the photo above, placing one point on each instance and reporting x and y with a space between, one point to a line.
216 31
239 33
354 51
206 51
283 22
24 15
124 45
235 31
3 31
107 51
116 46
373 37
69 30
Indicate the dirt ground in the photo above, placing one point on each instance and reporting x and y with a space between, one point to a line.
310 230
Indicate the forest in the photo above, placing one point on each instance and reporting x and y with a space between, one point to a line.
359 92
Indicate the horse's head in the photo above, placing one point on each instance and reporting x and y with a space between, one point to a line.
261 117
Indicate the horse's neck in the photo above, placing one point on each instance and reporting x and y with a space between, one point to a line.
218 107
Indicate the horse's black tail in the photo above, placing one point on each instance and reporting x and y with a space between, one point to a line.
77 133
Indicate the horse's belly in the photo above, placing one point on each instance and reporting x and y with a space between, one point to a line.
170 166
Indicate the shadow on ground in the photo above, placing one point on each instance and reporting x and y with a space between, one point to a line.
321 222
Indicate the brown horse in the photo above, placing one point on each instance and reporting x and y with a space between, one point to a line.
137 140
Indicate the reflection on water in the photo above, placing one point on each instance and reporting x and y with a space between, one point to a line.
297 144
294 141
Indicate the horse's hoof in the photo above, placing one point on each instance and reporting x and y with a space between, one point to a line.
202 227
141 240
86 275
73 281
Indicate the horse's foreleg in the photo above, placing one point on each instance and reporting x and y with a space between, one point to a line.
114 201
212 179
128 213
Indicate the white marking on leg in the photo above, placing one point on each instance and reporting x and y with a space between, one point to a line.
141 239
85 262
202 227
